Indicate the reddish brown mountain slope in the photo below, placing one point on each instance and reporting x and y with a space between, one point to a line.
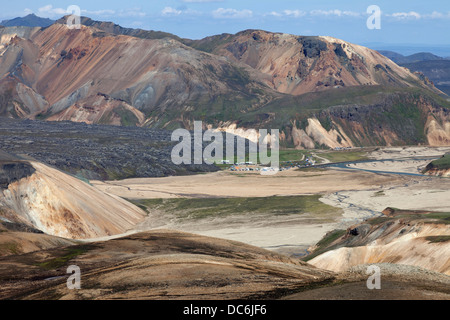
311 88
66 66
297 65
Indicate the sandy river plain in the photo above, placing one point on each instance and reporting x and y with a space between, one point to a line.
355 194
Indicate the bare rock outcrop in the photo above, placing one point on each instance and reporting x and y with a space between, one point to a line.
61 205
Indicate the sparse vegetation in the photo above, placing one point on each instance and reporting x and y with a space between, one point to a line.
138 204
9 248
219 207
431 217
377 220
438 239
440 164
311 169
345 155
442 217
67 255
324 243
293 154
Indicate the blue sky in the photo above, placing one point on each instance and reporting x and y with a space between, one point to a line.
403 23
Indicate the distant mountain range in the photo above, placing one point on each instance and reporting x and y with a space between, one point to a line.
318 91
417 57
436 68
30 20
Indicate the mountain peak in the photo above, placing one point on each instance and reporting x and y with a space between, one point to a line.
30 20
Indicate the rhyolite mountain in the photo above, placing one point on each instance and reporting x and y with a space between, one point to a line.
319 91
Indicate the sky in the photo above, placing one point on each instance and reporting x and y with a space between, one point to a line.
405 25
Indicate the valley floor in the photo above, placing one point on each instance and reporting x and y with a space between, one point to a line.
355 194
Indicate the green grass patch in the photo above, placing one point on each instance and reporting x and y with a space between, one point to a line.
323 244
311 169
442 163
187 208
438 239
127 118
332 236
441 216
377 220
10 248
138 204
344 156
433 217
293 155
61 261
122 173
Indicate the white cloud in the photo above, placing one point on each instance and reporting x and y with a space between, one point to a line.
172 12
131 12
105 12
169 11
437 15
294 13
287 13
49 11
326 13
274 13
406 15
222 13
351 13
27 11
335 12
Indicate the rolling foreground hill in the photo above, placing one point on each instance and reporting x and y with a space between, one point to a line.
319 91
17 238
160 264
164 264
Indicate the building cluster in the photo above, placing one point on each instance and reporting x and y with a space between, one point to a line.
286 165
